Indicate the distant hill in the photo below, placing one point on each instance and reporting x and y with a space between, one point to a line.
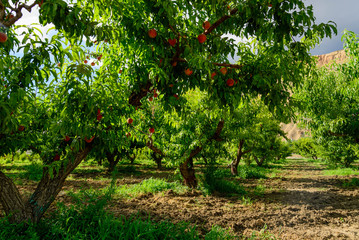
337 56
291 129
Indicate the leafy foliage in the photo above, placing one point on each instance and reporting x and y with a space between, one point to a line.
330 107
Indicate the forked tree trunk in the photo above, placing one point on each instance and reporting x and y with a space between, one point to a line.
113 160
157 153
240 153
259 161
187 169
45 193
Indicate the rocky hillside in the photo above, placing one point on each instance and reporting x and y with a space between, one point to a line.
291 129
337 56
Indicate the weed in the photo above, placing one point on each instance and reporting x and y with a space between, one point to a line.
247 201
353 182
212 181
262 234
341 172
259 190
151 185
218 232
250 172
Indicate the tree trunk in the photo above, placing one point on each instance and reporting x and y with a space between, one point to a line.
259 162
132 158
113 160
187 170
11 200
45 193
157 153
240 153
158 160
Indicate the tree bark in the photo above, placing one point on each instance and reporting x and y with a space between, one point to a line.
157 154
45 193
240 153
259 161
11 200
158 160
186 168
113 160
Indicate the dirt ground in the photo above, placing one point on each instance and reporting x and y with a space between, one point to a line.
299 203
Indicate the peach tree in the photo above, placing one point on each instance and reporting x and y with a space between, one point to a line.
329 104
60 106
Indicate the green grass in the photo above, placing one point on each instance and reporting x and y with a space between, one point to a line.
341 172
151 185
87 219
217 181
252 172
26 169
354 182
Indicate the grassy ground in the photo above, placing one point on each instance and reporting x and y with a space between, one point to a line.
140 202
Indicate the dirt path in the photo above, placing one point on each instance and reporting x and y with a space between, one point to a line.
300 203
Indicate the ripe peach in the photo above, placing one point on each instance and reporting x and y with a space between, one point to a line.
213 75
223 70
3 37
172 42
202 38
206 25
230 82
152 33
188 72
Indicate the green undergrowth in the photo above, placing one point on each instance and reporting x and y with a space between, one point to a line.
353 182
215 180
88 219
341 172
22 168
151 185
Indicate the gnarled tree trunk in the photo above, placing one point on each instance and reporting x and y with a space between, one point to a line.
45 193
187 170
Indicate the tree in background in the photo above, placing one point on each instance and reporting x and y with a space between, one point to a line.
329 100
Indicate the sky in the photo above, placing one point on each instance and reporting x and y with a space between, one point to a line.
343 12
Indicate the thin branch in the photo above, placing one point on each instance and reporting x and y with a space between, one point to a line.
220 21
337 134
237 66
153 148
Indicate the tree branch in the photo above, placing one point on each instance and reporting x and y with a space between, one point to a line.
17 10
219 21
150 145
237 66
135 97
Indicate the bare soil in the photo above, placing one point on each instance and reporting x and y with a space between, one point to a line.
299 203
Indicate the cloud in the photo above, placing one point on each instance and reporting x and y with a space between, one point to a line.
344 13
